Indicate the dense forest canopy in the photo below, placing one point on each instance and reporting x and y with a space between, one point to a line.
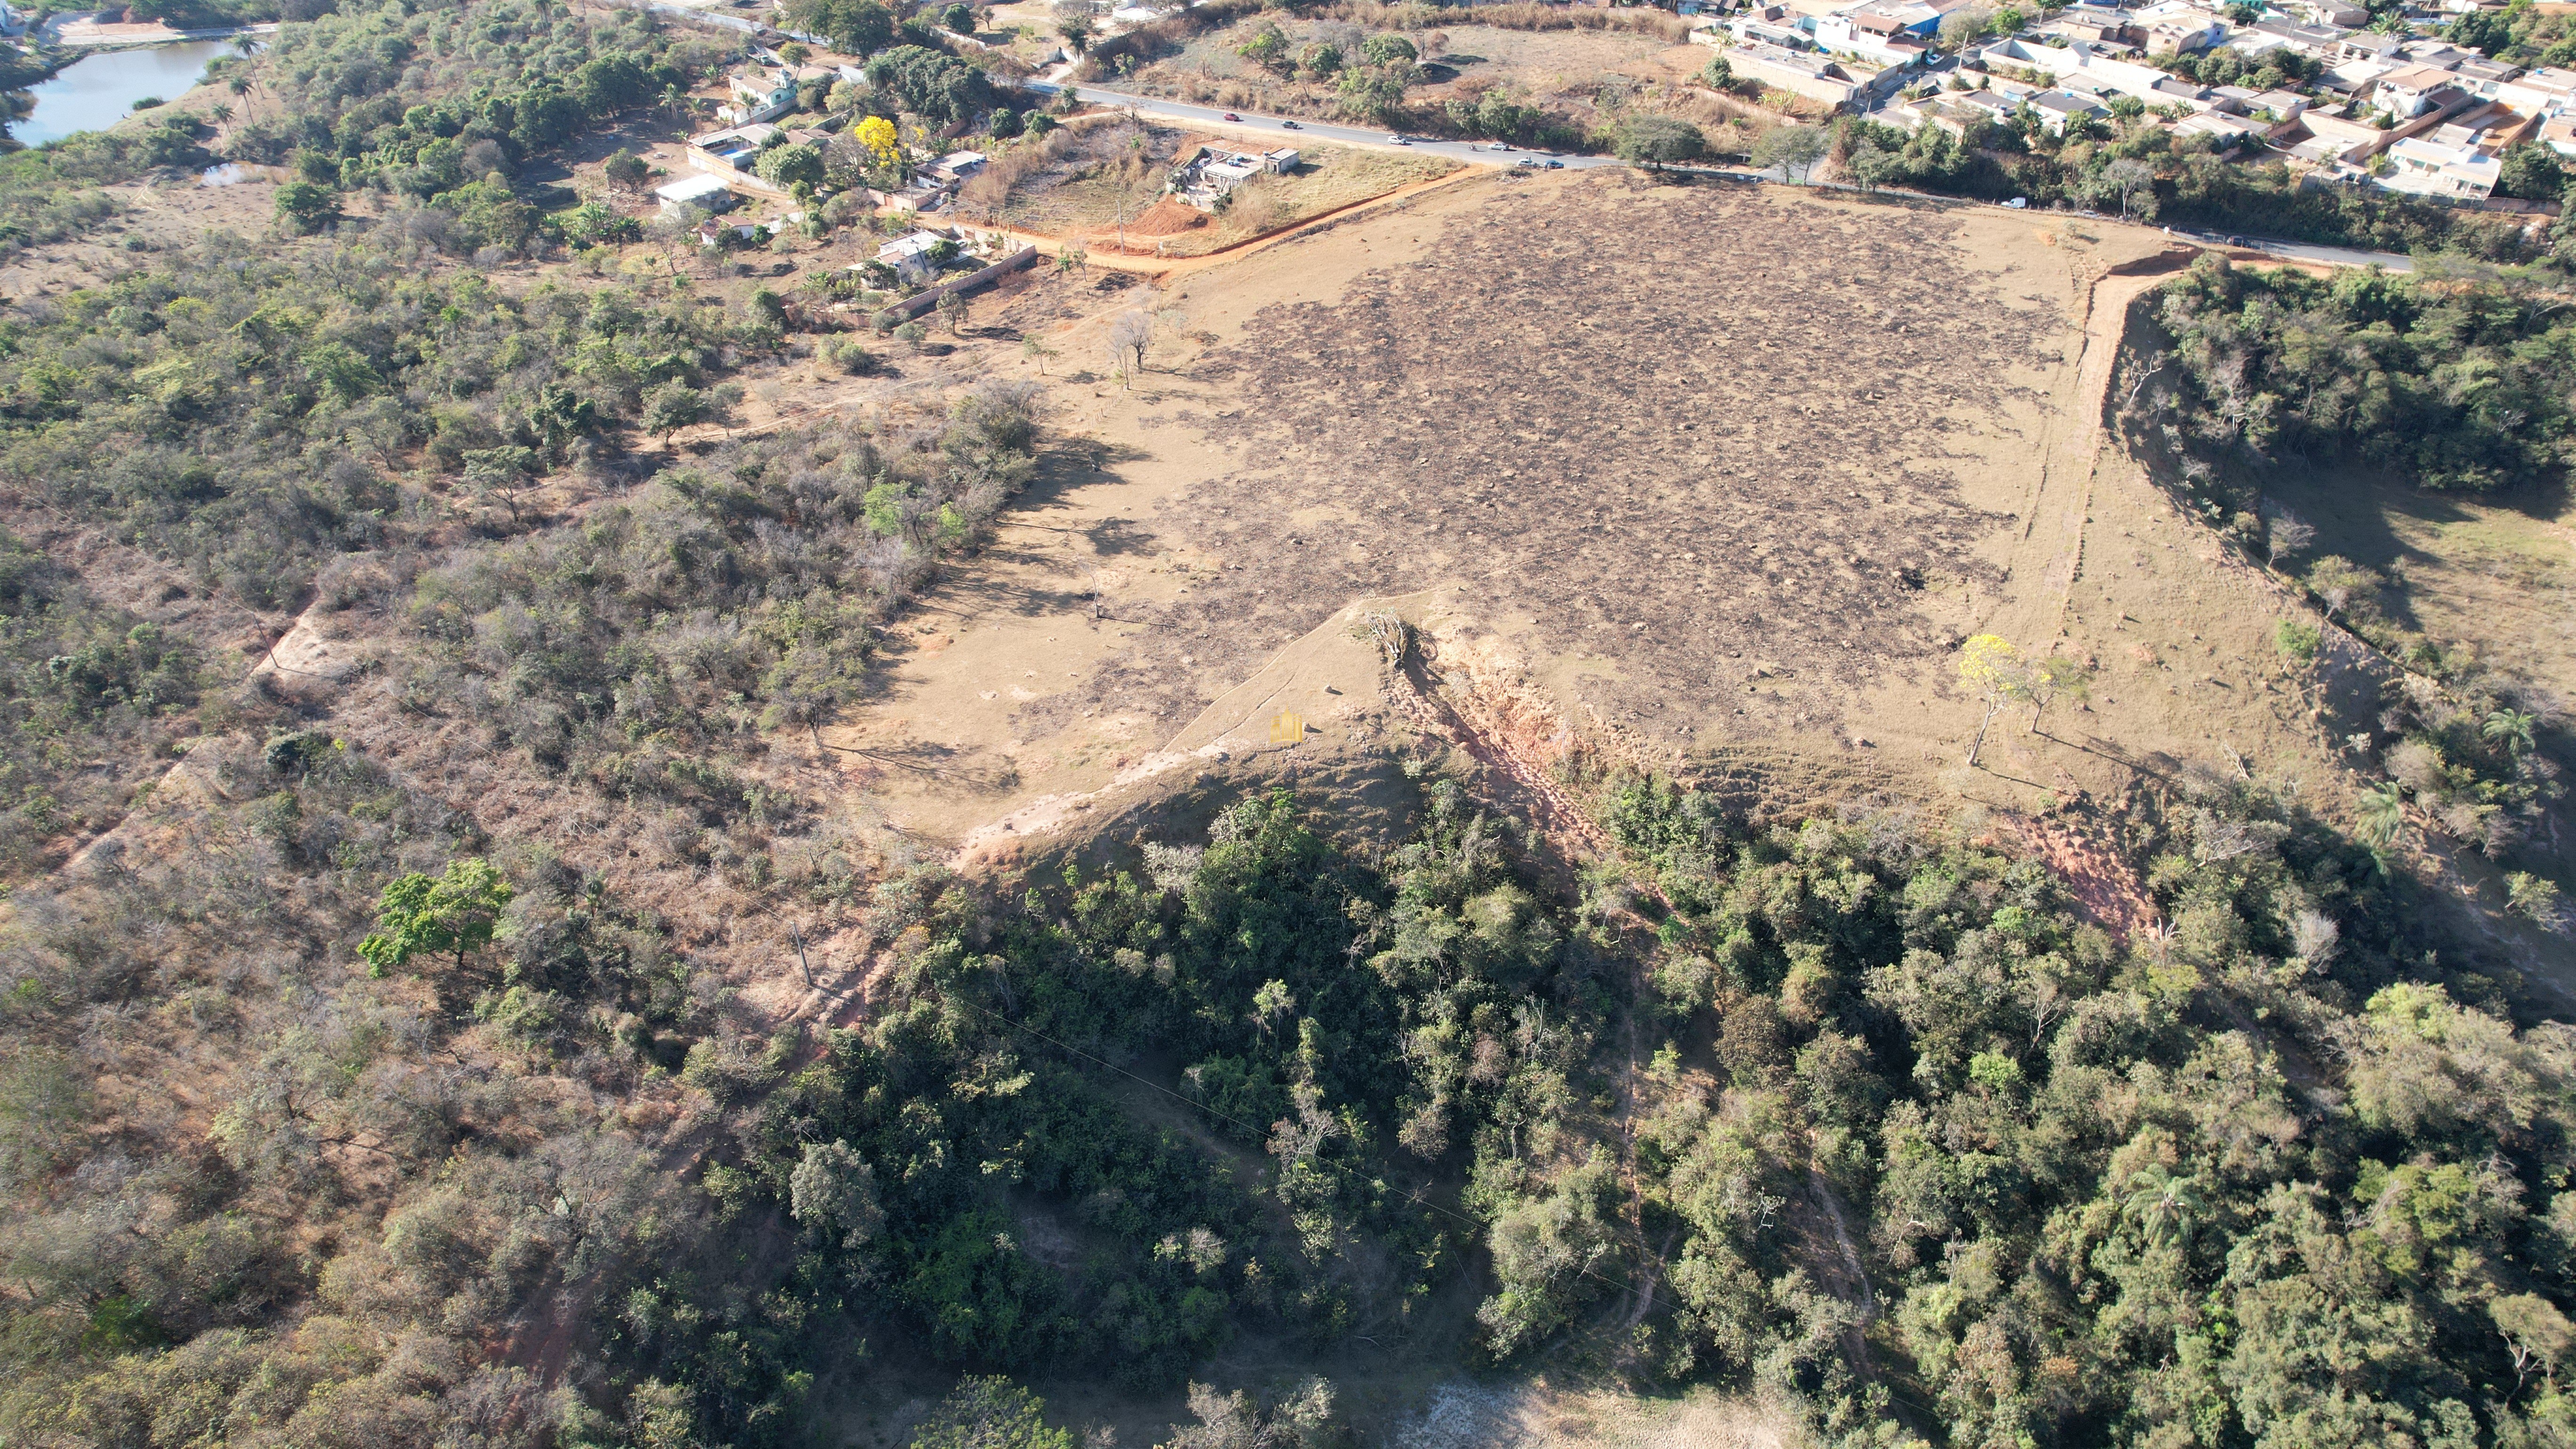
2459 384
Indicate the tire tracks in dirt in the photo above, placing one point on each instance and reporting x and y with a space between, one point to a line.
2051 546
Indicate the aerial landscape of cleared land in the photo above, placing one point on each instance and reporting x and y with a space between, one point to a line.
1274 726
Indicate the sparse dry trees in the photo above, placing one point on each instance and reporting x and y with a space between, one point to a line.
2286 533
1129 335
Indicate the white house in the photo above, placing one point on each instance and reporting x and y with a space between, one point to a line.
1872 36
915 257
1801 73
1751 27
2282 105
2094 26
2412 90
2059 110
2081 63
2541 91
1962 112
758 95
2178 28
1210 175
2229 130
698 191
733 149
2319 41
2443 165
2482 77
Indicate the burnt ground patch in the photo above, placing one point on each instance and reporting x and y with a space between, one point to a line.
1707 439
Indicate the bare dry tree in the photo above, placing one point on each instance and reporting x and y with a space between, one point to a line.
2286 533
1129 335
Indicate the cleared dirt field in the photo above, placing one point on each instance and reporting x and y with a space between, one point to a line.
1624 467
1714 477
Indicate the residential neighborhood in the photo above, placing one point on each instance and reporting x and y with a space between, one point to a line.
2390 108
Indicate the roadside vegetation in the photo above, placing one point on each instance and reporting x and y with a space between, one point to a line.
2129 167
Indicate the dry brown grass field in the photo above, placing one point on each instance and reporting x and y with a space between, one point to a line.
1710 478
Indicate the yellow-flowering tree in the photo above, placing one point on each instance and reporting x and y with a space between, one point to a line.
876 133
1990 665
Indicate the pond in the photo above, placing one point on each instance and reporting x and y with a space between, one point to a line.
95 93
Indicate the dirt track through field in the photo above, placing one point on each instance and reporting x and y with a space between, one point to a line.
2052 537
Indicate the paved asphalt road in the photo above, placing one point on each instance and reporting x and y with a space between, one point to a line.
1477 153
2300 251
1374 137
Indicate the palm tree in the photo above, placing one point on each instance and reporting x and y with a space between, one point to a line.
221 113
2383 812
2166 1208
240 86
2510 728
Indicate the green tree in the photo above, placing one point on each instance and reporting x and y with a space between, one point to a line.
1373 93
789 166
1389 50
2382 813
1267 47
834 1193
672 406
1655 141
456 910
1076 21
857 27
305 207
990 1413
2534 899
1792 150
2167 1207
1871 165
624 168
2532 172
2054 678
2535 1332
2511 728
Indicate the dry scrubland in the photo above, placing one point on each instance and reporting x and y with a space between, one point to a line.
1583 76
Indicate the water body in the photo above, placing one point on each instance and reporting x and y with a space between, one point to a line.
95 93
